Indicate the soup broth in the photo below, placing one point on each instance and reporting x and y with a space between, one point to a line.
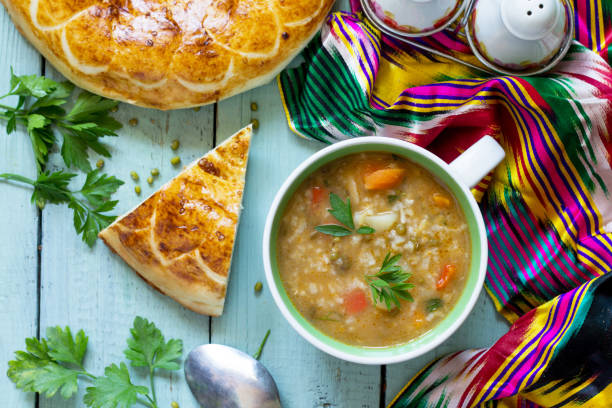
397 209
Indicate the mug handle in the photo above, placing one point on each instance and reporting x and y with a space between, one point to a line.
477 161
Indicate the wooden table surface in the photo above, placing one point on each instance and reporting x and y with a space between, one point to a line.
50 277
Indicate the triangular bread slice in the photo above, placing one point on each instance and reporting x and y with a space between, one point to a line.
180 239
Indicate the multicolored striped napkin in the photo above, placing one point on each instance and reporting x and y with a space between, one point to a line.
547 208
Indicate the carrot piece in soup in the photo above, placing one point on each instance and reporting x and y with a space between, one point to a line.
447 274
317 194
384 179
372 166
355 301
441 201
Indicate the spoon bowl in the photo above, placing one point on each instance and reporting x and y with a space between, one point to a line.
224 377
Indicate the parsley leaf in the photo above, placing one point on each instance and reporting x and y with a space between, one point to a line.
341 210
114 389
87 121
334 230
147 348
36 121
35 370
93 108
168 354
53 377
54 364
42 139
343 213
57 97
27 366
74 152
366 230
11 122
144 343
31 85
98 187
66 348
390 283
90 204
90 221
52 187
39 110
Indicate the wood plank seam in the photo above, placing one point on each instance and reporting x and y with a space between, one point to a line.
39 249
383 386
214 141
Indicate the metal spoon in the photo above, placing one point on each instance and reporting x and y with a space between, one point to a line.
223 377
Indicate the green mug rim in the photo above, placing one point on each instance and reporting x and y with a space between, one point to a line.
462 307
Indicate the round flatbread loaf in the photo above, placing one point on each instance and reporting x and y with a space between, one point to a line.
168 54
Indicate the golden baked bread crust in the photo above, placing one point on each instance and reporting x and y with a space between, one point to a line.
180 239
168 54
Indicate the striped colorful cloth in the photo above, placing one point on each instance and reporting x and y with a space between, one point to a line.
547 207
557 355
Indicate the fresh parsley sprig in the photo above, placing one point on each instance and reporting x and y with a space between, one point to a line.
148 349
390 283
90 204
55 364
342 212
39 109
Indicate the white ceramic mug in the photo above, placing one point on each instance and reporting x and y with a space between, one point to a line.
458 177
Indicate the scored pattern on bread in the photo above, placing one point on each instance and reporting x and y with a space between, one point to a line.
181 238
168 54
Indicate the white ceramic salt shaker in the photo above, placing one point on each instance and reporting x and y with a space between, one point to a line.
519 35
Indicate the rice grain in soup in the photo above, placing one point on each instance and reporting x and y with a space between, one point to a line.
328 278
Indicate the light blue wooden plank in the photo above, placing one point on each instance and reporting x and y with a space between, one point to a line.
306 377
481 329
94 289
18 222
